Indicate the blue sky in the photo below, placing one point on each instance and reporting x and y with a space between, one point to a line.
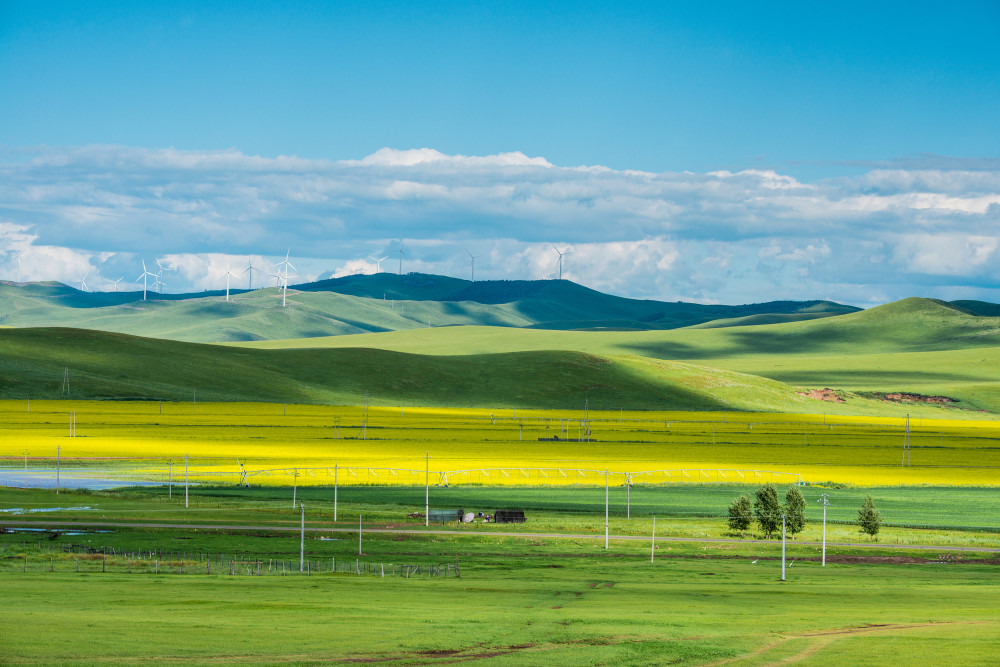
713 152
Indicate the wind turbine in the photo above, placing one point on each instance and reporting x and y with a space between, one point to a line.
143 278
115 282
19 256
83 282
401 253
228 274
561 255
159 276
283 274
378 262
473 258
249 271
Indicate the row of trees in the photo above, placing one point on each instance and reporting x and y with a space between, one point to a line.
766 510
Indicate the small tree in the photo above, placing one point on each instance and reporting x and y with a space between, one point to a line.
869 518
740 514
766 509
795 511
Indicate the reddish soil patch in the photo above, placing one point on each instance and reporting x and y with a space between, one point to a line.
822 395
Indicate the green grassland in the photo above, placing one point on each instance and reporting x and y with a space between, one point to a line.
115 366
910 325
915 345
520 600
543 593
559 612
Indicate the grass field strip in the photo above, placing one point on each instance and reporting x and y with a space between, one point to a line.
79 558
274 440
683 508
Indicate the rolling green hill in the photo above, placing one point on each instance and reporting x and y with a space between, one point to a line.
113 366
914 345
910 325
116 366
366 303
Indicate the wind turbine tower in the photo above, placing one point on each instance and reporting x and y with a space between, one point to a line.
19 256
378 262
145 273
159 284
561 255
228 274
401 253
83 282
473 259
283 274
115 282
249 271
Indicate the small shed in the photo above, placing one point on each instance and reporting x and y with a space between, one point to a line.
509 516
444 516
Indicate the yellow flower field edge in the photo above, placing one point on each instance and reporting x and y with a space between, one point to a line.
277 444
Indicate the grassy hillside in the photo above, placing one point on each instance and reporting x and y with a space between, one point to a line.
915 345
910 325
361 304
117 366
102 365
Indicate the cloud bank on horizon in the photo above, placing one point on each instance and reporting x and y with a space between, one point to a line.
920 227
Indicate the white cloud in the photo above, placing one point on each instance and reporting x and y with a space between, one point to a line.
949 254
749 235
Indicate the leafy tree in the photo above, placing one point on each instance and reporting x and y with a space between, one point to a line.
766 509
795 511
869 518
740 514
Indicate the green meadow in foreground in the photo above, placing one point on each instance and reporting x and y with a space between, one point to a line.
520 600
557 611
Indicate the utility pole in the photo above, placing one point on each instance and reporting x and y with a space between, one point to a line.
185 481
295 485
826 501
57 471
652 548
302 540
628 496
334 492
427 490
782 547
607 476
360 516
170 481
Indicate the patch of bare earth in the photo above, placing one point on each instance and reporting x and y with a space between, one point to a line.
828 395
822 638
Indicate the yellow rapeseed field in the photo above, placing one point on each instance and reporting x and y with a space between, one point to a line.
151 439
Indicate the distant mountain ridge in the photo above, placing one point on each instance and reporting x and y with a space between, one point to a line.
372 303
